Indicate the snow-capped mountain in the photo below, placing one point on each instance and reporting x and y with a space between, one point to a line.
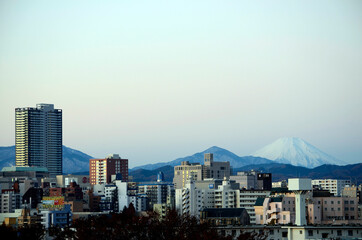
297 152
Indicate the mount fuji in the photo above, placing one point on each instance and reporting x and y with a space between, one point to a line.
297 152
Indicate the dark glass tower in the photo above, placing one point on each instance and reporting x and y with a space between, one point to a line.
38 137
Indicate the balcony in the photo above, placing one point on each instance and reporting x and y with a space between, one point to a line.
274 210
274 217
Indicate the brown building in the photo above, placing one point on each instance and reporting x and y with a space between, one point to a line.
71 193
101 170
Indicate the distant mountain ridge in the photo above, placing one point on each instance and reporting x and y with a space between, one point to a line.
296 151
73 160
284 171
280 171
220 155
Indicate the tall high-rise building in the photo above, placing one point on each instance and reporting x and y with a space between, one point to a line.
101 170
38 137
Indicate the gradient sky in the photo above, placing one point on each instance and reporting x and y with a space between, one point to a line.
157 80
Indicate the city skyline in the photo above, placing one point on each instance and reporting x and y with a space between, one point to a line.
157 81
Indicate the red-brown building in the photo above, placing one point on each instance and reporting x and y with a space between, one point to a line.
101 170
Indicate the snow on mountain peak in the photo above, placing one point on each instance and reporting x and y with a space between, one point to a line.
295 151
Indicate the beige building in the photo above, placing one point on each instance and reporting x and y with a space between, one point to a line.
185 172
275 210
198 172
333 210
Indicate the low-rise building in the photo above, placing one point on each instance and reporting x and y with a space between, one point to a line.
225 216
275 210
56 217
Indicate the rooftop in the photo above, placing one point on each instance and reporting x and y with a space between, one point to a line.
24 169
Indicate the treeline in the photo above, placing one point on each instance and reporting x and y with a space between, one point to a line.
125 225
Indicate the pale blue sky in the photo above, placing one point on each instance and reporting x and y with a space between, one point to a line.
157 80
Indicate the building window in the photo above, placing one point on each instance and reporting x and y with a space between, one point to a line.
284 218
310 233
350 232
284 234
339 232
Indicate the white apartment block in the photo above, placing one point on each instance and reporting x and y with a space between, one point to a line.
192 198
225 196
334 186
247 198
9 201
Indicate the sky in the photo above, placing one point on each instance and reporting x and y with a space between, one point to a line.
157 80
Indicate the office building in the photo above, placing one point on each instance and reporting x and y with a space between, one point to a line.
38 137
253 180
197 172
332 210
101 170
216 170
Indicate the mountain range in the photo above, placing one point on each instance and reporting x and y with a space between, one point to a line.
73 160
289 150
220 155
292 151
280 171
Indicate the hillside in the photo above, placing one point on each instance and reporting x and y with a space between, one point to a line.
73 160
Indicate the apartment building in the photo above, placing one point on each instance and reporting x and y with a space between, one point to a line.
190 199
101 170
38 137
156 192
333 210
9 201
275 210
247 198
334 186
